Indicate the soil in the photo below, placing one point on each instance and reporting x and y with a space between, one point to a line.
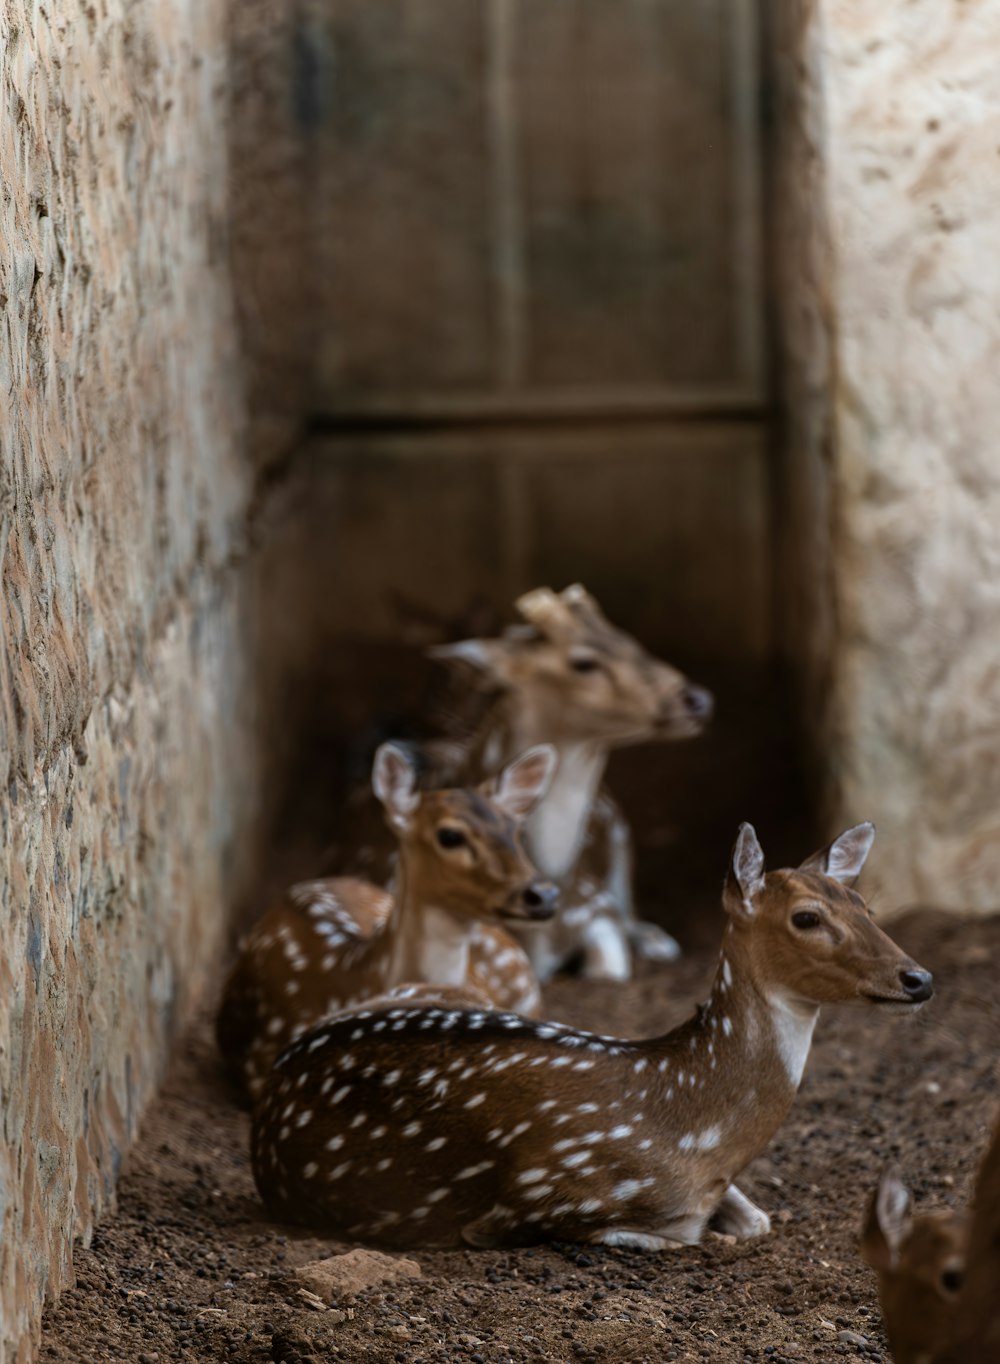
190 1269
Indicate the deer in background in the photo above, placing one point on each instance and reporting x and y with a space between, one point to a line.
570 678
333 943
938 1272
439 1127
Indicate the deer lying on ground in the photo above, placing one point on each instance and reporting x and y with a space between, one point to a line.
438 1127
337 942
569 678
938 1272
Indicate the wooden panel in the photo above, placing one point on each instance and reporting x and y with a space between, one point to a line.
403 198
553 201
629 140
667 525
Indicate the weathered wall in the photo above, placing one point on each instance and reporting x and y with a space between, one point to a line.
892 217
126 702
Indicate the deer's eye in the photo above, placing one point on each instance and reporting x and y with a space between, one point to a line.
584 663
451 838
951 1280
806 919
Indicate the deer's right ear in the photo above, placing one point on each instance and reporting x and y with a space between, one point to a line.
486 656
845 856
745 878
890 1217
394 780
524 782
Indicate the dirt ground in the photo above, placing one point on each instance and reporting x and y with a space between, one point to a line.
189 1269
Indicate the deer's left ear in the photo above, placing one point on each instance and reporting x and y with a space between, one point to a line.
394 781
890 1217
845 856
524 782
745 877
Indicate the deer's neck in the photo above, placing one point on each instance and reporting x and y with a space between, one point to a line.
421 941
741 1058
556 828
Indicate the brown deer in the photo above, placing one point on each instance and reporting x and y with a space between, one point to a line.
570 678
938 1271
440 1127
333 943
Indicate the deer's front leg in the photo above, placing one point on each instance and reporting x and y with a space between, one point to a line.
737 1216
606 954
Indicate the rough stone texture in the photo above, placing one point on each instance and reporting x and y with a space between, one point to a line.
345 1275
125 698
898 212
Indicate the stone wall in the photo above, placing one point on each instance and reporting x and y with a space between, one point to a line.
126 696
888 226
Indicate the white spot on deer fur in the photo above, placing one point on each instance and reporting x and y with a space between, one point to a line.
539 1191
727 973
292 988
377 1132
391 1077
288 1110
680 1077
436 1195
639 1067
628 1188
275 1026
384 1164
340 1170
335 1143
517 1131
309 1171
645 1144
622 1130
576 1158
545 1105
357 1034
531 1176
359 1120
709 1139
418 1213
590 1205
727 1026
471 1171
436 1144
285 1133
304 1118
687 1142
475 1101
328 962
340 1094
584 1065
412 1129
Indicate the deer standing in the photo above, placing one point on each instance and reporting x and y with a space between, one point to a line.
333 943
570 678
938 1271
440 1127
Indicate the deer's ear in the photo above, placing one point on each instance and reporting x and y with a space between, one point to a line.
487 657
845 856
888 1223
524 782
745 877
394 780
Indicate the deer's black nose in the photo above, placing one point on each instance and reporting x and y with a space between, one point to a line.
539 899
698 702
918 984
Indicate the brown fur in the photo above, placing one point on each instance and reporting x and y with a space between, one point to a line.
436 1127
333 943
938 1271
537 694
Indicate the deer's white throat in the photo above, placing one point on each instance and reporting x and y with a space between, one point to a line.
794 1022
556 829
428 944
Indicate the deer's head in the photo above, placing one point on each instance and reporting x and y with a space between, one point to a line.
809 936
920 1265
569 673
462 847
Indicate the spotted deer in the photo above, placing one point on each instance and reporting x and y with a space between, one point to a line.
439 1127
333 943
566 676
938 1271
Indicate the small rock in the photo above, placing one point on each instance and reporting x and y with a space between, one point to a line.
851 1338
352 1273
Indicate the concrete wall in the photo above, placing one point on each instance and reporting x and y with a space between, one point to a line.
126 696
888 165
